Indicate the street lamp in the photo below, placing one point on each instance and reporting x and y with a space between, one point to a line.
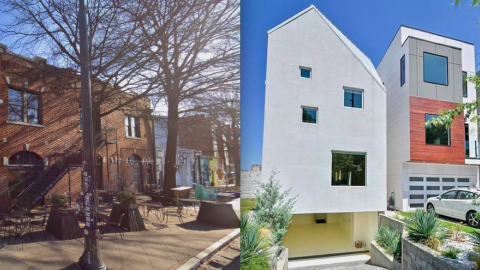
90 258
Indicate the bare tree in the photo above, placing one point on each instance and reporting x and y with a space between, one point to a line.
196 52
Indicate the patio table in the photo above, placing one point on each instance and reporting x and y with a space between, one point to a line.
181 191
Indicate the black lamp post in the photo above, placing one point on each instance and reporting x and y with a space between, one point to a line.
90 258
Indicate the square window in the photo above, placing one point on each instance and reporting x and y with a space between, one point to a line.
435 69
348 169
305 72
437 135
353 98
309 115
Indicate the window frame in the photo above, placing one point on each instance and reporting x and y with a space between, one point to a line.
131 129
446 74
25 106
348 153
402 71
316 114
346 88
306 68
449 134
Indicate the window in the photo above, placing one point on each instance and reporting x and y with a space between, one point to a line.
449 195
305 72
348 169
437 135
402 71
464 79
132 126
435 69
467 141
22 106
80 115
352 98
465 195
309 115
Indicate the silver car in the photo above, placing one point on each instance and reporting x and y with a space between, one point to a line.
456 203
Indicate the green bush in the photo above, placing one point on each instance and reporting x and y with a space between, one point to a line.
425 228
253 244
390 240
475 235
126 198
450 253
274 208
59 200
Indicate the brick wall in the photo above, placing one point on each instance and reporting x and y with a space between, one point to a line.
58 126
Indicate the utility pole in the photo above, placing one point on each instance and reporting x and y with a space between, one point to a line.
90 258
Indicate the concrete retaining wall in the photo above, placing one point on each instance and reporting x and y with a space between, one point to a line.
379 257
282 262
390 222
419 257
250 182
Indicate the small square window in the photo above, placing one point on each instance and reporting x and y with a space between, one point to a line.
305 72
309 115
435 69
353 98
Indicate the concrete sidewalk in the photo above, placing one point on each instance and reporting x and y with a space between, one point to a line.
161 247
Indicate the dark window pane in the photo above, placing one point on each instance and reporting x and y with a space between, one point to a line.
448 179
416 187
416 205
439 135
416 179
305 72
467 141
433 188
15 97
353 98
137 128
431 195
14 113
433 179
32 101
449 195
402 71
465 90
447 187
32 116
435 69
465 180
465 195
348 169
309 115
416 196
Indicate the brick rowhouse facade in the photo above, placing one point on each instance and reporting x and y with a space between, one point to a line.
58 130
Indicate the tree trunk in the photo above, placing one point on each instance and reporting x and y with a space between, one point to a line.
169 179
236 154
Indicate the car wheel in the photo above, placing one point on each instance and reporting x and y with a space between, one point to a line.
430 207
472 219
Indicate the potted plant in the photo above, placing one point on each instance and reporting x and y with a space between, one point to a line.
126 204
62 221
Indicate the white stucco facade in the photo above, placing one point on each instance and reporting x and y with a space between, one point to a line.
301 152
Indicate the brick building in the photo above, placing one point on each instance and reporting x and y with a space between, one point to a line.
41 134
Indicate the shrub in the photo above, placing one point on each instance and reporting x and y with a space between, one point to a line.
59 200
450 253
126 198
253 244
274 208
424 227
475 235
390 240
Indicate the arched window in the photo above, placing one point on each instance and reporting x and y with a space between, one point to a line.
25 158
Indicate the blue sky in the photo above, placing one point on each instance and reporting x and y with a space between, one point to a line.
369 24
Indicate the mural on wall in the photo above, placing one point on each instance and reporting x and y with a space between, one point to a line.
213 168
204 170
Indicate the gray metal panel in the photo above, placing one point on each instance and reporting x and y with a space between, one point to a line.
445 51
447 92
425 90
457 82
411 66
423 46
457 56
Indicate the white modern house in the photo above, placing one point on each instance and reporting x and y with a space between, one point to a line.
424 74
325 135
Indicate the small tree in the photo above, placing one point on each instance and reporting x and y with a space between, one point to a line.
274 207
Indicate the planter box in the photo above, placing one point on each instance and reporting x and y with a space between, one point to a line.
282 261
63 223
419 257
132 221
379 257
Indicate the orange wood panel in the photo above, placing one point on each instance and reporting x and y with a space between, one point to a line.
420 151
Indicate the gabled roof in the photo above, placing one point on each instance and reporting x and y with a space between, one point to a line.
364 60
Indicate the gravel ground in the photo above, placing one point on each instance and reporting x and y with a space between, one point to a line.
464 247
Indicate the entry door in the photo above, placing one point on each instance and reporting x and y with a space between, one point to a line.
137 177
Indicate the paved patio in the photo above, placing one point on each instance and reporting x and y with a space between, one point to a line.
161 247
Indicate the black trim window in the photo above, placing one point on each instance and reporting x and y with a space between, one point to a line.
309 115
464 85
402 71
348 169
132 126
23 106
435 69
437 135
305 72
